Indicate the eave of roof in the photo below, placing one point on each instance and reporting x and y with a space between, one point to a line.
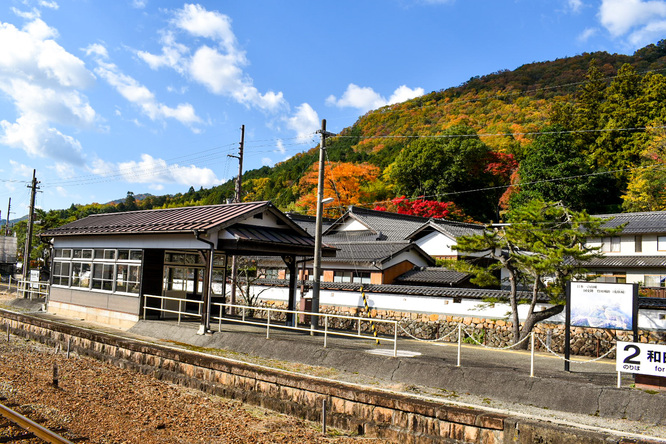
637 223
610 261
167 221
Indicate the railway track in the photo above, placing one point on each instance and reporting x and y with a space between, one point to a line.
15 427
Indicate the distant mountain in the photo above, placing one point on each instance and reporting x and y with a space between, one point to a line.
137 197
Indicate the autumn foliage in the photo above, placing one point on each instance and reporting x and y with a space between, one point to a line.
345 182
424 208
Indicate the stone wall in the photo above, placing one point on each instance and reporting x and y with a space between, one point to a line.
592 342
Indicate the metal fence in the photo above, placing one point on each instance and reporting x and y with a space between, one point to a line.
275 318
32 289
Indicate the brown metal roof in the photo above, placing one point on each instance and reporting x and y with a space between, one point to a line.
171 220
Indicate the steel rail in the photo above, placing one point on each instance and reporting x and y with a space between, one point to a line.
32 427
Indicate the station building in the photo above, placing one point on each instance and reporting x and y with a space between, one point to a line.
104 265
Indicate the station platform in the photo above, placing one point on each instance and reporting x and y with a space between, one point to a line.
499 381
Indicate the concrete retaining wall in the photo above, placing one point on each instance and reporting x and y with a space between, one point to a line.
369 412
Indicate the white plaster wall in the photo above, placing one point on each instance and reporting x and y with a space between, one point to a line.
628 246
410 256
437 244
648 319
352 225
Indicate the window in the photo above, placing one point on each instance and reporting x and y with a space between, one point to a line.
661 243
270 273
81 274
342 276
63 253
654 280
102 277
61 272
612 244
127 278
638 244
361 277
610 277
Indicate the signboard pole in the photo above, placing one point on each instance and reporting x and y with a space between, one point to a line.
567 326
635 313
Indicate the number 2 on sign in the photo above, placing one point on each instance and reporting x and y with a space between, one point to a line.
629 362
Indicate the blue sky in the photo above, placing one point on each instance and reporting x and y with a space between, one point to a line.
104 97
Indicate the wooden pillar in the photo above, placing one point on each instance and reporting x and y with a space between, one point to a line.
207 292
290 261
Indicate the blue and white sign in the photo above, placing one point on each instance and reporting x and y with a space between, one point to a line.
600 305
644 359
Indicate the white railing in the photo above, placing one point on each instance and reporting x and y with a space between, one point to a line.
32 289
171 305
177 305
242 317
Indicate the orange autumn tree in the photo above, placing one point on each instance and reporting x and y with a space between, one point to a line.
345 182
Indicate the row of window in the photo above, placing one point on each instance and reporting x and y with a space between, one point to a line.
98 254
114 277
613 244
620 277
113 270
359 277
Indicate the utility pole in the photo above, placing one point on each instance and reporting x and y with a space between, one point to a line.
316 266
31 220
9 207
237 199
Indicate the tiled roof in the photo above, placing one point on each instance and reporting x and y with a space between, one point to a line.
269 235
308 223
652 303
408 290
457 293
390 226
611 261
172 220
432 275
637 223
365 252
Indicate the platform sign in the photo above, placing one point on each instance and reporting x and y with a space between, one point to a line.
644 359
601 305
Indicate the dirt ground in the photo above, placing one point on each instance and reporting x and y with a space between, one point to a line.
99 403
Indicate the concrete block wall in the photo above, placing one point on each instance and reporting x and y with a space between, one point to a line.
366 411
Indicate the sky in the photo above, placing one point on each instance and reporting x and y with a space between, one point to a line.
104 97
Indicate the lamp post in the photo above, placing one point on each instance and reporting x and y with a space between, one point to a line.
316 266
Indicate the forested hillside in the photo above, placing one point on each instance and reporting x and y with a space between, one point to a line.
587 130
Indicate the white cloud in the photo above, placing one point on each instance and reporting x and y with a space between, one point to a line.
305 122
49 4
138 94
64 170
575 5
155 171
199 22
20 170
280 147
365 98
44 81
139 4
267 161
587 34
640 21
218 65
